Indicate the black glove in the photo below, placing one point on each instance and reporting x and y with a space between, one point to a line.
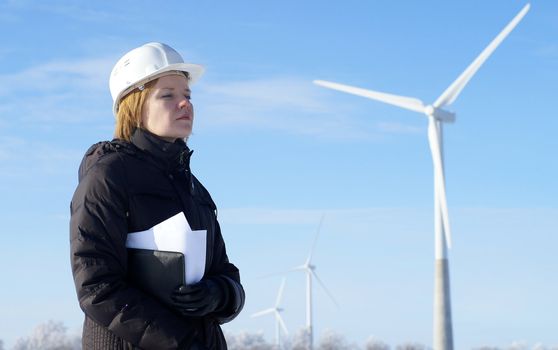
199 299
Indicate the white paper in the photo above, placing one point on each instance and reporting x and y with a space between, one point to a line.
175 235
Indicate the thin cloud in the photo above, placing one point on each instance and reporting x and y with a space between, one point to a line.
76 91
18 156
284 216
9 147
67 107
63 91
5 51
3 122
81 12
280 216
548 51
259 216
272 93
400 128
291 105
85 75
8 17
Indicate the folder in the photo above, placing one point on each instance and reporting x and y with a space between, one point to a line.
156 272
165 256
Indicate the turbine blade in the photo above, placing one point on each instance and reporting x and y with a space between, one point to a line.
325 289
263 312
411 103
315 240
455 88
280 294
439 182
281 322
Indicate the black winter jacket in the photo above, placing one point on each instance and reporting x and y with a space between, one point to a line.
129 187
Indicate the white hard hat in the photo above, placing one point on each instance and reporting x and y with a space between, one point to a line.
144 64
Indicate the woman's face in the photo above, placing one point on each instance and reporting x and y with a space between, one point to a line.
168 112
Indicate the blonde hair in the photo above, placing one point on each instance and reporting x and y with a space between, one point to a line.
130 109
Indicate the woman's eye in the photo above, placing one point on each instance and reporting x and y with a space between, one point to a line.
167 96
188 97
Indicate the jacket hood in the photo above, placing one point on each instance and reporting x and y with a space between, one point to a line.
94 153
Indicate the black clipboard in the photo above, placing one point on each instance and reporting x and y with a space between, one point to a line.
156 272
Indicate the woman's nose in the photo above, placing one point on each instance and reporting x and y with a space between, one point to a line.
184 103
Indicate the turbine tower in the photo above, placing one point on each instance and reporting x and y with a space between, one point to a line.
309 269
276 311
437 115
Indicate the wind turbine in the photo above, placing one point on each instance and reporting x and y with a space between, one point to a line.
437 115
309 269
276 311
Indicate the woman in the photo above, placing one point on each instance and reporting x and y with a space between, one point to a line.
131 184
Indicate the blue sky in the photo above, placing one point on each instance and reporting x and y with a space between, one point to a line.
277 152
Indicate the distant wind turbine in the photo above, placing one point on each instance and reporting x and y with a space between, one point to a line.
276 311
443 334
309 269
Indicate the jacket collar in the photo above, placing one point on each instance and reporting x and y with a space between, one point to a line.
170 155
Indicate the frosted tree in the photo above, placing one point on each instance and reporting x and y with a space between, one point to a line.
410 346
48 336
1 345
301 340
247 341
331 340
518 345
373 343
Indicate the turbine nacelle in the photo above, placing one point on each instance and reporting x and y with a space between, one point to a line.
439 114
